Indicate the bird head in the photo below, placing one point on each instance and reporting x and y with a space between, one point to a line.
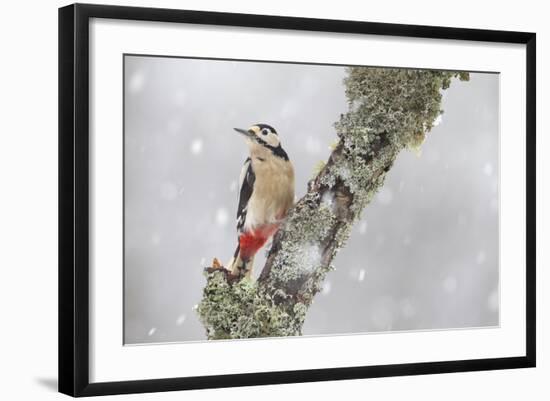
263 141
261 134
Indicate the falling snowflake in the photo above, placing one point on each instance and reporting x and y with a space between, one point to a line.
380 240
493 300
136 82
152 331
488 169
311 256
181 319
361 275
328 200
363 227
450 284
222 217
312 145
233 186
289 109
196 146
345 173
180 98
438 120
407 308
401 185
480 258
327 286
155 238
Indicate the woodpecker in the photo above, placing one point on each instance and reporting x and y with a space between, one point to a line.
266 193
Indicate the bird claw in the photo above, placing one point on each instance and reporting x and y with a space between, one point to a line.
216 264
218 267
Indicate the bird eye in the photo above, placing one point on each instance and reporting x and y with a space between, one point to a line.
265 132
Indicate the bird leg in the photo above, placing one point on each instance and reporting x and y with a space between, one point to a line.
241 266
218 267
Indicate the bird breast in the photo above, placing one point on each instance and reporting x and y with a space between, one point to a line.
273 192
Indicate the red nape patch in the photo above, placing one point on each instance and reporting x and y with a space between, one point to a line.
251 241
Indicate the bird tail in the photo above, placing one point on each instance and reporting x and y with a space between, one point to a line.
240 266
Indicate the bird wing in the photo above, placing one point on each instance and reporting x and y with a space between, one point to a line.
246 186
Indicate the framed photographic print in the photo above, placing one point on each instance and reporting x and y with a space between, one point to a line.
250 199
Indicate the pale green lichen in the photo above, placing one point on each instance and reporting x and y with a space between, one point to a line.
334 144
318 167
402 103
243 310
300 253
389 110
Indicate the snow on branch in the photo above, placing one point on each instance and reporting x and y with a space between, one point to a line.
389 110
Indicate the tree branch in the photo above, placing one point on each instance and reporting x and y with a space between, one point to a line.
390 110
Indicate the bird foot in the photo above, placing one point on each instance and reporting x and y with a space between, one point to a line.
216 264
218 267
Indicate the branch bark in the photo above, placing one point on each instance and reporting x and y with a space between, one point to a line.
389 110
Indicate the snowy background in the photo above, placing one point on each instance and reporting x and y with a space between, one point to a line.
424 256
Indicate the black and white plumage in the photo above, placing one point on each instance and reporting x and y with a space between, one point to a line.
246 186
266 192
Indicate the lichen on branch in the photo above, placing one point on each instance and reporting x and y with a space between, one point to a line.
390 110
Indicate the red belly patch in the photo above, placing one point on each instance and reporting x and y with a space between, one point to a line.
250 242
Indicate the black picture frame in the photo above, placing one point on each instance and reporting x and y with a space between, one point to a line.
74 193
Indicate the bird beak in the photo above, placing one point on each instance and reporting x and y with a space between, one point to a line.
244 132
